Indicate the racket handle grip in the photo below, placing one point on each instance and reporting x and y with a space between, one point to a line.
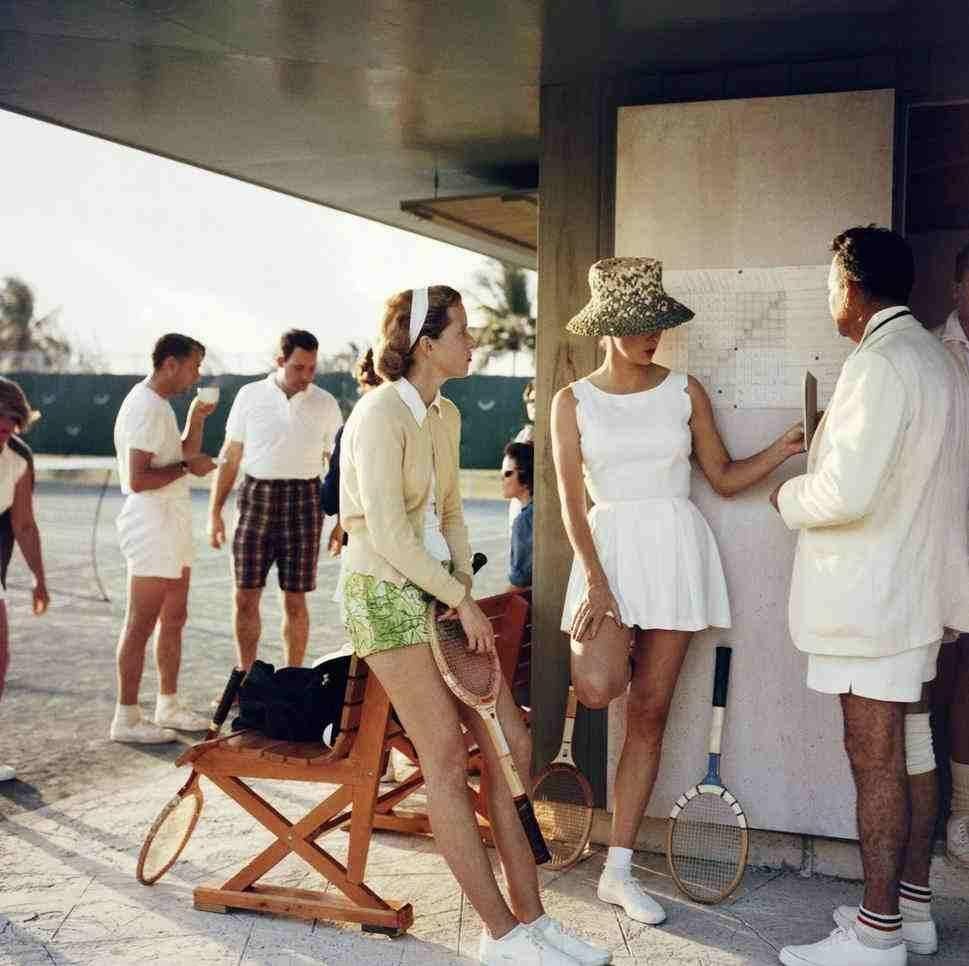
721 676
228 696
532 832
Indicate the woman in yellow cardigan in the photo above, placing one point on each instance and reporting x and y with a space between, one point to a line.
400 504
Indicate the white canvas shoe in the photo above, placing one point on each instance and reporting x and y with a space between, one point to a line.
921 938
566 941
520 947
180 719
7 773
957 840
843 948
141 733
625 891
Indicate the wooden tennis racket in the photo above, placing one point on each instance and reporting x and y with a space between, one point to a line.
173 827
707 842
475 680
562 798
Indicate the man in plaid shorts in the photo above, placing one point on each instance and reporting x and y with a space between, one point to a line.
279 431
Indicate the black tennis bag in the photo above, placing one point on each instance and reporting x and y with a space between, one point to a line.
293 703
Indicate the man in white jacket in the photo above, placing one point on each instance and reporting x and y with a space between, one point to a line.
881 570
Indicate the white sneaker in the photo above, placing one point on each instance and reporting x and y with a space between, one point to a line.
843 948
141 733
566 941
7 773
624 890
957 840
181 719
520 947
921 937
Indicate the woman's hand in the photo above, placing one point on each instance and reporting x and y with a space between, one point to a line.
599 603
41 597
477 628
334 545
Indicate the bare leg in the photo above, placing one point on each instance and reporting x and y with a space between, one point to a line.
4 646
521 874
145 598
600 666
429 713
295 628
659 657
923 796
168 638
959 709
248 624
874 740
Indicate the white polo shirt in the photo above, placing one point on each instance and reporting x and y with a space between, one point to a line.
283 438
147 422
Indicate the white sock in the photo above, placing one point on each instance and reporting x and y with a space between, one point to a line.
960 788
127 714
914 902
510 935
878 931
166 702
619 860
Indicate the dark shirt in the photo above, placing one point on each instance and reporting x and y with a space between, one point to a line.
330 493
520 571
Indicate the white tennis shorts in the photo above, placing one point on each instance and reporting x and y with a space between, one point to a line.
898 677
156 535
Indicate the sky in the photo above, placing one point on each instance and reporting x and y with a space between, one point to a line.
128 245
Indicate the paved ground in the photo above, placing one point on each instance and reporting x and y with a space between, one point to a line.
60 690
68 895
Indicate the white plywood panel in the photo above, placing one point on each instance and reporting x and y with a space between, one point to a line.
741 185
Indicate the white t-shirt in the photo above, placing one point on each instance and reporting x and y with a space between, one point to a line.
283 438
147 422
12 467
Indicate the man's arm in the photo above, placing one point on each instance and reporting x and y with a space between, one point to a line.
864 430
222 484
198 412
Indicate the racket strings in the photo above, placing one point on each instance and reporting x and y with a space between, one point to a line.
707 847
169 837
477 673
564 812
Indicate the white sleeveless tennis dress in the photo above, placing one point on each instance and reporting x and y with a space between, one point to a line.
658 552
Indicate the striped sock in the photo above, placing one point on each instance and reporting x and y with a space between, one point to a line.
914 902
877 930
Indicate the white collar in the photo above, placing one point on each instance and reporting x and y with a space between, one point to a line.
412 399
953 331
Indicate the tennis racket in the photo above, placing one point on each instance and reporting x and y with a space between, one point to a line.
562 798
707 842
475 680
175 823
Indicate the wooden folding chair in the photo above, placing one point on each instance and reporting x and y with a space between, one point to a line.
509 615
355 764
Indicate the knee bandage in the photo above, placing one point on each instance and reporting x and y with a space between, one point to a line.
919 754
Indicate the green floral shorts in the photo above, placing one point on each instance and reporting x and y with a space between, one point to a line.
380 615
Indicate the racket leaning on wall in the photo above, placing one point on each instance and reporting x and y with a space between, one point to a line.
562 799
707 842
475 680
173 827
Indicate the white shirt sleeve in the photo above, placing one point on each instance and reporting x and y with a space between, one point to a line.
334 420
235 425
146 429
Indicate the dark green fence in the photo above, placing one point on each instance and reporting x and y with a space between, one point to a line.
79 410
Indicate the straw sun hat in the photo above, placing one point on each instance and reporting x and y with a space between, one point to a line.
628 299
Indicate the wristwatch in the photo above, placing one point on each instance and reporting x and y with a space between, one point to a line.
184 465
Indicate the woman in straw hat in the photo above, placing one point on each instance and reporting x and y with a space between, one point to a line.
646 574
17 513
400 504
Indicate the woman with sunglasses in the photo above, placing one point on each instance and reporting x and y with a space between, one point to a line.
400 504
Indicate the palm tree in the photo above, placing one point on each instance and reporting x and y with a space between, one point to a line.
510 321
28 342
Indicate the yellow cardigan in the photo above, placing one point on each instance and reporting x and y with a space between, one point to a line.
386 461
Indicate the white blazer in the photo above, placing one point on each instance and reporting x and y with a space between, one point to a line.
882 562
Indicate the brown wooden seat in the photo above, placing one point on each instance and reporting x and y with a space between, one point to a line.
354 763
510 617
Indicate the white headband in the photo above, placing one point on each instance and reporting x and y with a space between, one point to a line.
418 313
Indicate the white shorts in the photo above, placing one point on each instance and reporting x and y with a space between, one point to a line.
156 536
898 677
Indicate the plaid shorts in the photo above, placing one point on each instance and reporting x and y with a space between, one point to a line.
280 522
